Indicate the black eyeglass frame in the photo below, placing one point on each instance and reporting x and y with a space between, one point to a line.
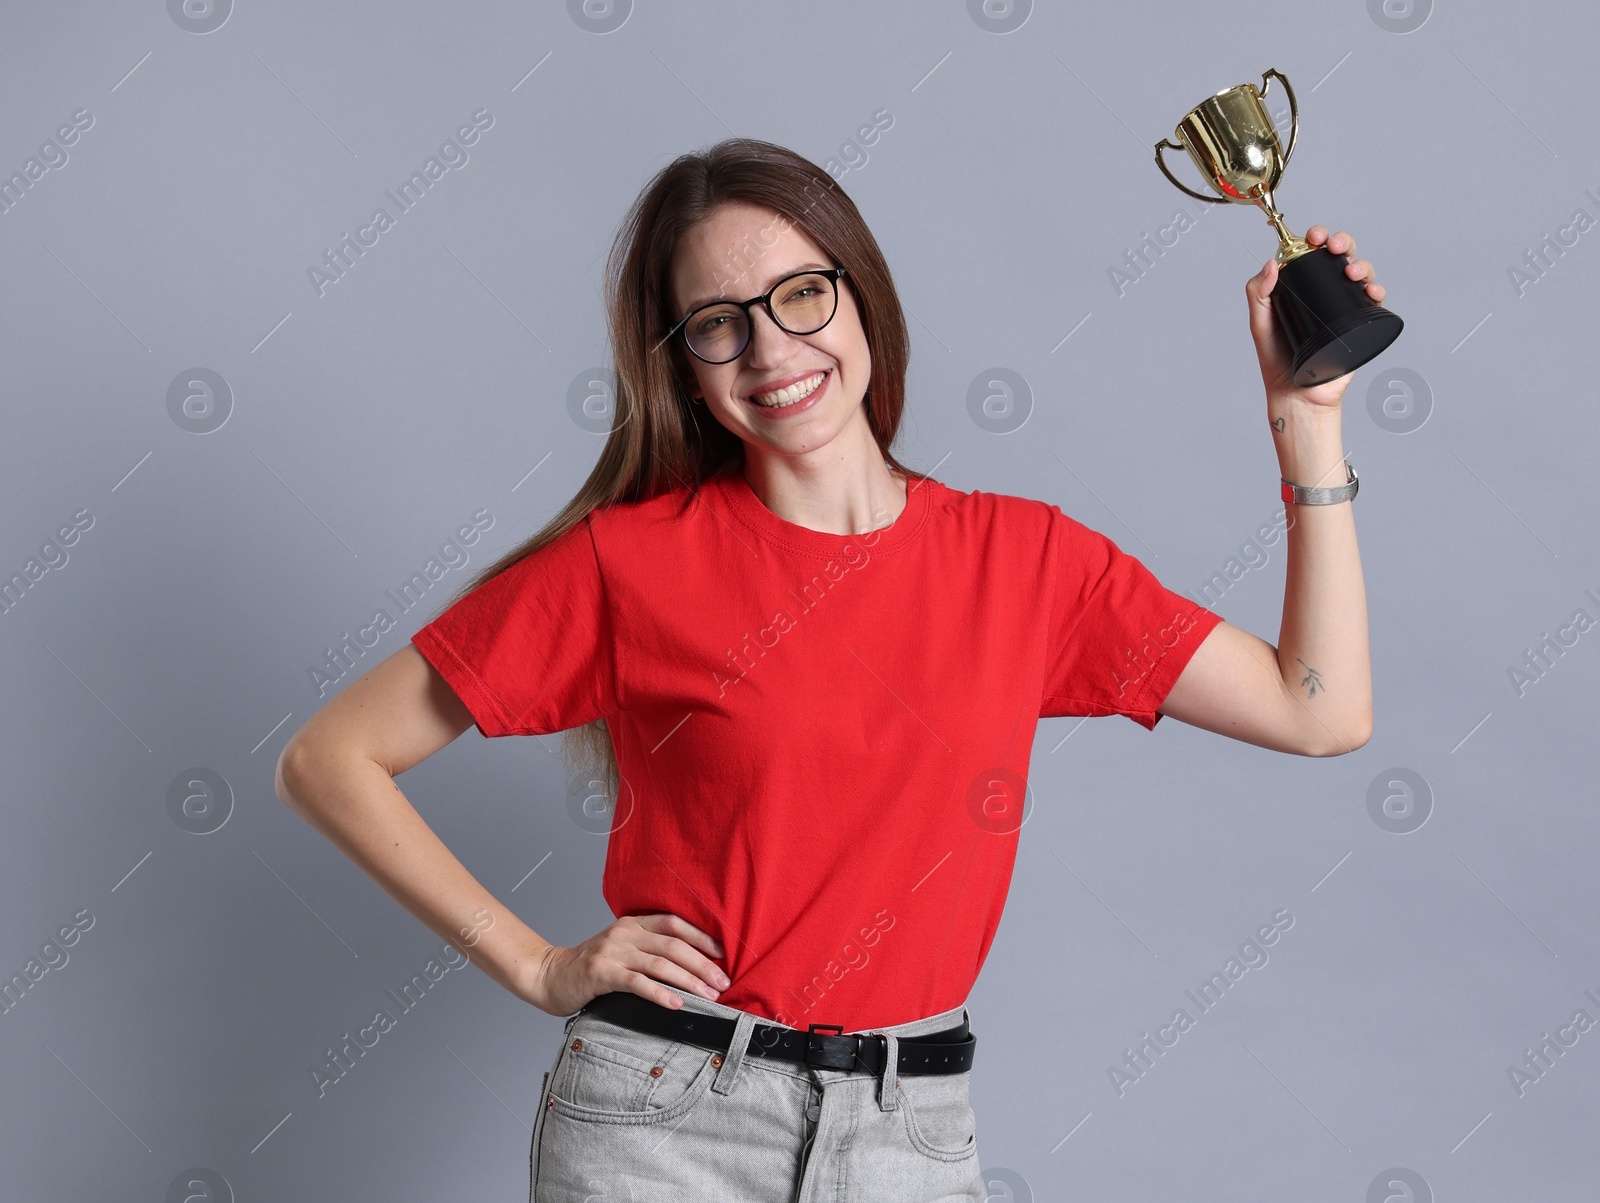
765 300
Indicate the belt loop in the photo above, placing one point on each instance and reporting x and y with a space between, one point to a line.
728 1072
889 1081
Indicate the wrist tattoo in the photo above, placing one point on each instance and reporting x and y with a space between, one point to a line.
1278 424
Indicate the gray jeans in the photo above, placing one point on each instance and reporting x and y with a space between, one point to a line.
627 1116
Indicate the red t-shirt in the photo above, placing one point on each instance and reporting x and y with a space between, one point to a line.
823 739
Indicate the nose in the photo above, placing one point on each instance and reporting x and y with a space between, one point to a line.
764 350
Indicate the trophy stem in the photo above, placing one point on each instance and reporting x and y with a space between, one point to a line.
1289 247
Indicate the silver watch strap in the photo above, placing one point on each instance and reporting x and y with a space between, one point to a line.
1301 495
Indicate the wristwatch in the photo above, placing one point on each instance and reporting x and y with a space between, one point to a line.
1301 495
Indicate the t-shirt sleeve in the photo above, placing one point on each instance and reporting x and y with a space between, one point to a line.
531 650
1118 639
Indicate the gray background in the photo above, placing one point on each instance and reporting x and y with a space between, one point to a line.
364 426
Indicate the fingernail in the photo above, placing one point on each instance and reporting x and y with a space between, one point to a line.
722 981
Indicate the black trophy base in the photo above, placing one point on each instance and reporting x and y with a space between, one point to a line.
1332 325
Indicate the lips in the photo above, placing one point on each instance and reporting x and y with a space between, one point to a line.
790 390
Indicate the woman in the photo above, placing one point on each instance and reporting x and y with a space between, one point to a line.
808 678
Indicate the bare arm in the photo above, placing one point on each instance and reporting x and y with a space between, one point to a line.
337 772
1312 694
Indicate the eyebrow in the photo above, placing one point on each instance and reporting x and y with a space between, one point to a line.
808 266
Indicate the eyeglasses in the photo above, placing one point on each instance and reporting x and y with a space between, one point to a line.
799 304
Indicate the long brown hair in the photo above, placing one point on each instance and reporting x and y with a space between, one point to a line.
659 439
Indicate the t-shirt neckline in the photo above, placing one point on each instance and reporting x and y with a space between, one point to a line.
750 509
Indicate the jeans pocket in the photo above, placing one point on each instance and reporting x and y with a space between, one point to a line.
543 1110
611 1074
938 1114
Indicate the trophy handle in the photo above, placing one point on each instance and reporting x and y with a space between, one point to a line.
1294 109
1181 187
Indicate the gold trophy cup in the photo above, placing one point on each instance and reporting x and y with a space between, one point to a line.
1332 326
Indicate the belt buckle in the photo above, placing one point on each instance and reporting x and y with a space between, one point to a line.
830 1061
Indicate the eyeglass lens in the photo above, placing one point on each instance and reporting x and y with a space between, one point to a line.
802 305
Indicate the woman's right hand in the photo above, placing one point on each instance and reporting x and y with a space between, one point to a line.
636 954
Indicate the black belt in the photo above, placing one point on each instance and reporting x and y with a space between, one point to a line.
946 1052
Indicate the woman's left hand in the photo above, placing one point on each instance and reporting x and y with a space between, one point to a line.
1272 348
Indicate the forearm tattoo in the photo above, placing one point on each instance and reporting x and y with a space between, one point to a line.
1312 680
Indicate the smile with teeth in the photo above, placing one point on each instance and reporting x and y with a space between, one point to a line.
798 391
